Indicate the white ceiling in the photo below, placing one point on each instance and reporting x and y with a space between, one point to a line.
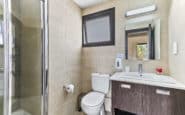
88 3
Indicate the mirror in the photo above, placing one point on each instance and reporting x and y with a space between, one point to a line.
142 40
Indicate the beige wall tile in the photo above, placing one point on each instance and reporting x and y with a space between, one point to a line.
177 34
30 74
65 56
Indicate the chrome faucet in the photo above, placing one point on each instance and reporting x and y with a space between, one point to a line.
140 69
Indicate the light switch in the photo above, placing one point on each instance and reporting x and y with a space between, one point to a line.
175 48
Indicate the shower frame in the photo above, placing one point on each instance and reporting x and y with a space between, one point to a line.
7 35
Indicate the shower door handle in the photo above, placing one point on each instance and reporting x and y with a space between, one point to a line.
45 45
46 82
45 55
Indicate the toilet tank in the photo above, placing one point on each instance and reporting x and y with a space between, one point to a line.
100 82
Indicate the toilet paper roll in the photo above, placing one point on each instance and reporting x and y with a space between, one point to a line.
69 88
108 105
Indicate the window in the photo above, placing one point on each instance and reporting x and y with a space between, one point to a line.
99 28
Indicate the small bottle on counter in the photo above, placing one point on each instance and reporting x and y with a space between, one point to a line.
127 69
159 70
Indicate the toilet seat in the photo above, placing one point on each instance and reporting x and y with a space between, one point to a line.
92 103
93 99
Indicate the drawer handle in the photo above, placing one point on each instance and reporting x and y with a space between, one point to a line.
126 86
162 92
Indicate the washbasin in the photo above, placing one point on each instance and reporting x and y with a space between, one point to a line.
147 77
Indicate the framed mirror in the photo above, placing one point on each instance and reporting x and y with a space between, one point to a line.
142 41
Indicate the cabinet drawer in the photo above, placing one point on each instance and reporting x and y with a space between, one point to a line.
127 96
159 91
158 101
179 104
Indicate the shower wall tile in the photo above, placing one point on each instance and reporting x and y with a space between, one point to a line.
30 78
177 34
31 62
31 104
65 39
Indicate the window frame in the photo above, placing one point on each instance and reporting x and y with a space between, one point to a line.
109 12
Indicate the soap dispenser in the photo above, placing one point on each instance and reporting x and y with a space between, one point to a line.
118 62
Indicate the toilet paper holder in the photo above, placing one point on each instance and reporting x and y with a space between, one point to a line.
69 88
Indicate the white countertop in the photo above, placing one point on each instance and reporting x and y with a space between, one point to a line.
148 79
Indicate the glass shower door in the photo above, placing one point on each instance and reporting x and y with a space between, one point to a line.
26 57
27 65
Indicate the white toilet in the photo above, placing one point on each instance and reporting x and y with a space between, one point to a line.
93 102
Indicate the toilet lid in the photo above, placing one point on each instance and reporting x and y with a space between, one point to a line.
93 99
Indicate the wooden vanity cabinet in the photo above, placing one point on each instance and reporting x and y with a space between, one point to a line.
147 100
127 97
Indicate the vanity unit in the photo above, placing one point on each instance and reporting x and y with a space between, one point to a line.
147 95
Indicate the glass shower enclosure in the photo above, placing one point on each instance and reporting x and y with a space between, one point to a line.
25 57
